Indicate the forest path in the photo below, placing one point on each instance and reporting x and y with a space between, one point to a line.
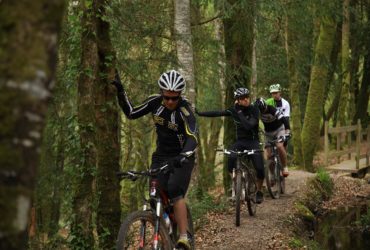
261 231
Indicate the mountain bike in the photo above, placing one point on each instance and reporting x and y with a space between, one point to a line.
275 181
244 181
154 227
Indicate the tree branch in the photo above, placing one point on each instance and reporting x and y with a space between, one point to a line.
207 21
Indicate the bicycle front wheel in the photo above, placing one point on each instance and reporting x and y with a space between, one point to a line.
272 174
251 191
238 193
138 232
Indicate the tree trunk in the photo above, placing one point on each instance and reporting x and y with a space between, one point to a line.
316 91
83 200
363 96
291 50
27 70
346 98
238 28
106 115
184 45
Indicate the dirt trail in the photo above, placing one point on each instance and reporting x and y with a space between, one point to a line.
258 232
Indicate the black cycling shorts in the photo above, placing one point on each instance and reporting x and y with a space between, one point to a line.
176 183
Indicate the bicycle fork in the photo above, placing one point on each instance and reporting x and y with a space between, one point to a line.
234 183
142 231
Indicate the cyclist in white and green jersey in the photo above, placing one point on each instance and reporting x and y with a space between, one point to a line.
283 107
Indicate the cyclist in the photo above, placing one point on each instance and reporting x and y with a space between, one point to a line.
280 104
176 139
245 117
276 125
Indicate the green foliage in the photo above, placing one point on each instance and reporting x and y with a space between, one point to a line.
295 243
201 205
365 219
319 189
304 212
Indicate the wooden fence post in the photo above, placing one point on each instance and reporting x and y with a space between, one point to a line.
326 143
339 135
358 144
349 143
368 145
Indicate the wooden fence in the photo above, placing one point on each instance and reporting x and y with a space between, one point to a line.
344 136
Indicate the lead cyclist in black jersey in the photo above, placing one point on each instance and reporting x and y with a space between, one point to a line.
176 139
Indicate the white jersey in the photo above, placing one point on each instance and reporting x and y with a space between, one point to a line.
282 106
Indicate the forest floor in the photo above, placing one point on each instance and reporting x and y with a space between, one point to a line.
262 231
268 228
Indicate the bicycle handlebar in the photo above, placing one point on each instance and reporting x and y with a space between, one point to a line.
244 152
281 138
134 175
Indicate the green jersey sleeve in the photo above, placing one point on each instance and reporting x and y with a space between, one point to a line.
271 102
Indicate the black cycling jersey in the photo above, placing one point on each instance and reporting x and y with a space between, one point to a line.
176 129
273 119
245 119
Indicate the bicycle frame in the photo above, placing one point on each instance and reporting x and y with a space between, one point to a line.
274 168
160 198
243 180
158 202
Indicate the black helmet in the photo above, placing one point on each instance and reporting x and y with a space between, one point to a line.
240 92
261 103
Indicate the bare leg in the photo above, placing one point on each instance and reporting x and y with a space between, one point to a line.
181 215
282 154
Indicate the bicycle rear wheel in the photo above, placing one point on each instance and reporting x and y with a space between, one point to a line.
238 193
282 179
142 223
272 173
251 190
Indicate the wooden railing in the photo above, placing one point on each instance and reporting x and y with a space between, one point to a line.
346 132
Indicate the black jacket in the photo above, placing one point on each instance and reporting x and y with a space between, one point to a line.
176 129
245 120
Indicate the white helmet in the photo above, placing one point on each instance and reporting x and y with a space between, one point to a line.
172 81
275 88
241 92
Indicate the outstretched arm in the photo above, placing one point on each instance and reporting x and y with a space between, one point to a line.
214 113
130 111
138 111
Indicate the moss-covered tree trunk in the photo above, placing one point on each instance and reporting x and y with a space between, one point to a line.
106 115
345 99
364 93
28 42
83 200
238 35
319 72
292 15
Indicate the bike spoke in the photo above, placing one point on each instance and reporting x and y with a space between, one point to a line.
141 235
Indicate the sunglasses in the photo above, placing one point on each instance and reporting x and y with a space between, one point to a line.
242 98
173 98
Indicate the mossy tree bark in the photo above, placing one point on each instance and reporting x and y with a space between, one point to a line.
364 93
319 73
106 116
292 25
27 70
83 200
238 35
346 94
